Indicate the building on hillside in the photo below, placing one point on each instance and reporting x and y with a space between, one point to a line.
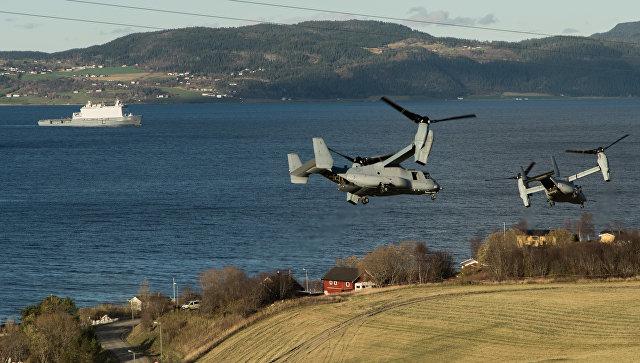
135 303
281 284
607 236
364 285
535 238
538 238
469 263
341 279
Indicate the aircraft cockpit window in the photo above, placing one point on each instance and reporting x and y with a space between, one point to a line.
415 175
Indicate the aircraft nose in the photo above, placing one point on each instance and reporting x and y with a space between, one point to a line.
436 187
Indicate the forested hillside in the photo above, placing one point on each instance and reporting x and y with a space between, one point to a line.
357 59
625 32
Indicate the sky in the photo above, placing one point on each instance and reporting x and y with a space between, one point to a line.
544 16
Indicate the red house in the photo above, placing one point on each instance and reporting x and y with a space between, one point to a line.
340 279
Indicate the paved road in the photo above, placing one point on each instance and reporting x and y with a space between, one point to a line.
111 337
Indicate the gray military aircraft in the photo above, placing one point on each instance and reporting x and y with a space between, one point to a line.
557 188
375 175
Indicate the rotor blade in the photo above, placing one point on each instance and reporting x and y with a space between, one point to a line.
592 151
454 118
507 178
615 142
343 155
528 169
374 159
542 176
410 115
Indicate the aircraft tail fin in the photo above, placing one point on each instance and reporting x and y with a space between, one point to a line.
297 171
322 154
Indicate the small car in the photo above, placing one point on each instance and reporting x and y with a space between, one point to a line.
191 305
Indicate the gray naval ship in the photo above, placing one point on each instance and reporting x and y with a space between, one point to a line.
97 115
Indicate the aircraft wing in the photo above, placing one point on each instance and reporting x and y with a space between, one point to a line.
399 157
363 191
545 180
537 188
582 174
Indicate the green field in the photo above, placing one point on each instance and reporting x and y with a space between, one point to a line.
89 71
593 321
64 99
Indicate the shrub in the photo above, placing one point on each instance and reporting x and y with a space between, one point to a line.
228 290
504 259
153 304
13 343
51 331
405 263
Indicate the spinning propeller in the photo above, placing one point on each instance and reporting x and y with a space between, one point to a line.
421 119
362 160
524 174
597 150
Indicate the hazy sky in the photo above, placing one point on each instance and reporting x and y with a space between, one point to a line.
557 17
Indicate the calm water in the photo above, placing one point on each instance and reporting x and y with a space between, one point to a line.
90 213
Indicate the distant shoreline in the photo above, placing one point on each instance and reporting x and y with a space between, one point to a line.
514 97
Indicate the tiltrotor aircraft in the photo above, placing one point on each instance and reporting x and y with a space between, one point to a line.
375 175
557 188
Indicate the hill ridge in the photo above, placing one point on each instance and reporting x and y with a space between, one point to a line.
364 59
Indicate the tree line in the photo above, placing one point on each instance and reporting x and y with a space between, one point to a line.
332 59
50 331
501 257
408 262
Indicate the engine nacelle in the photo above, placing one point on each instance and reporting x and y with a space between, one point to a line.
603 163
422 144
522 189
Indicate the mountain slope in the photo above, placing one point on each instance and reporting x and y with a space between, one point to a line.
625 32
358 59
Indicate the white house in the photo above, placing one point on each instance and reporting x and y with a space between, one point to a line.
468 263
364 285
135 303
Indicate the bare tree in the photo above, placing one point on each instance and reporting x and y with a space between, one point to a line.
585 226
13 343
522 225
229 290
351 261
421 254
474 246
409 262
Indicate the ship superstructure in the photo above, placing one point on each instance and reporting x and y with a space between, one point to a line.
97 115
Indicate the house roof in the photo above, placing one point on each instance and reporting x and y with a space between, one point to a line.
470 261
273 277
350 274
537 232
609 232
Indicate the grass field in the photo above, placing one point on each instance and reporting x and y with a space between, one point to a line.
111 71
69 98
592 321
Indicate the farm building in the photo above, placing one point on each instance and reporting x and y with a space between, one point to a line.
535 238
341 279
281 284
538 238
608 236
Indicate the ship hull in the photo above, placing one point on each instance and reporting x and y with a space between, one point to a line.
101 122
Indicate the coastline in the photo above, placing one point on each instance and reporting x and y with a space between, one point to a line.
515 97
